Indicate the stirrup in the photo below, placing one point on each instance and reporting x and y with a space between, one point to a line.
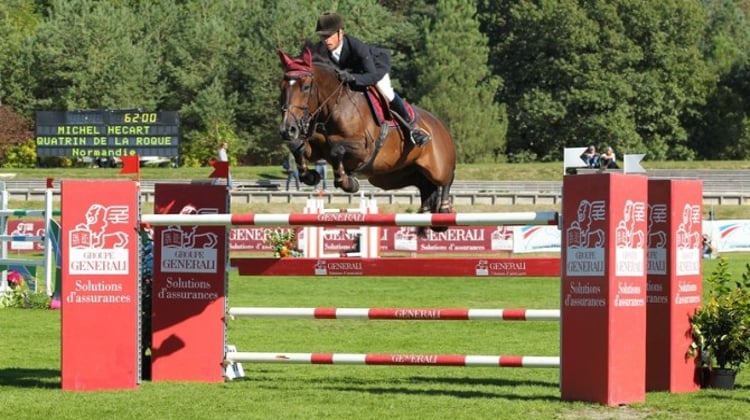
419 136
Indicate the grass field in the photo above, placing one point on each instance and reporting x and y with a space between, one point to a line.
30 346
30 361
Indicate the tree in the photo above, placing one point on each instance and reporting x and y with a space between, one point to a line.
199 46
17 21
619 72
721 128
455 83
89 55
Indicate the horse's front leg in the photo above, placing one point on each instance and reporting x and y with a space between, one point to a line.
301 153
341 179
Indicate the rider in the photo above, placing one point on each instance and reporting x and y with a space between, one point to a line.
363 65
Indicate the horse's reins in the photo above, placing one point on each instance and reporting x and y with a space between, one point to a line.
305 122
310 116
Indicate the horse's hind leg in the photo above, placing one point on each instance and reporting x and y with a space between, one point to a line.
430 196
445 205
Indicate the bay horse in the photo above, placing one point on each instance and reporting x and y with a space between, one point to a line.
323 118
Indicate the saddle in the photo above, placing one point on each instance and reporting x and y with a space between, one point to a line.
381 110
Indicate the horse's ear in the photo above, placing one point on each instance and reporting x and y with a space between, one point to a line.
307 56
285 60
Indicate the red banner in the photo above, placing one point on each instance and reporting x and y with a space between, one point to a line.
189 288
100 294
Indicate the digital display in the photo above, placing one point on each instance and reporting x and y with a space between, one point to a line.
107 133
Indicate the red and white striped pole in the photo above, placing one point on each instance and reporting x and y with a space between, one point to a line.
354 219
411 314
394 359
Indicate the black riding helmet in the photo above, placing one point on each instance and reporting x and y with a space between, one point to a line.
328 24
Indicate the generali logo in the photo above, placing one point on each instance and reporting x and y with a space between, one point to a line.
585 237
189 249
99 245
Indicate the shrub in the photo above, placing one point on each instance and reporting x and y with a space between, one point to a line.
721 327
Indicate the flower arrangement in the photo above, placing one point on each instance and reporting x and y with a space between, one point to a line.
20 295
283 243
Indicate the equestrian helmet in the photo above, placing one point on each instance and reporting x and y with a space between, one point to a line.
328 24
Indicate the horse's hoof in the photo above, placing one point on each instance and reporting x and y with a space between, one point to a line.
439 229
353 185
310 178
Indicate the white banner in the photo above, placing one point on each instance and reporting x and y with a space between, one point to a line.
729 235
536 239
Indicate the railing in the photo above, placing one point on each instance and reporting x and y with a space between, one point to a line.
404 197
720 187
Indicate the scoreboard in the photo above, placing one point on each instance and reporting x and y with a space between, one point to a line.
107 133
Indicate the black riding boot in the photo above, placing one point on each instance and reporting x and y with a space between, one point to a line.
418 135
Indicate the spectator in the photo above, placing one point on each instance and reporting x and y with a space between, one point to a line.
320 167
590 157
290 167
708 247
608 159
222 156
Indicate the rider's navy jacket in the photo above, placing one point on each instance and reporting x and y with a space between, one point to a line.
367 63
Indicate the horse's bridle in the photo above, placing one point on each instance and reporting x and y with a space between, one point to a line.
304 122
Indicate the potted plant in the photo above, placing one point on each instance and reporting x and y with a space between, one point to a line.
721 327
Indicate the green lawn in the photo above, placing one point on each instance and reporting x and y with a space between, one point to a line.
30 352
30 361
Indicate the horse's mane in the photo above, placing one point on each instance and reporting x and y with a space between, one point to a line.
319 60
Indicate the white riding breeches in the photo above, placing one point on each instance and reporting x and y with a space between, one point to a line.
386 88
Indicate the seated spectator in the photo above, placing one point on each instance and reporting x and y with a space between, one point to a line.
590 157
608 159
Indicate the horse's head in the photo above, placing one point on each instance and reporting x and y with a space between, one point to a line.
297 97
304 92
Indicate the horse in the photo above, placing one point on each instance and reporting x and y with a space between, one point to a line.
323 118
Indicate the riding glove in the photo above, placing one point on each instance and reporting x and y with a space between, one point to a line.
345 76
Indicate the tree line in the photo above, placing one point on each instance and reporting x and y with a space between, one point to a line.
514 80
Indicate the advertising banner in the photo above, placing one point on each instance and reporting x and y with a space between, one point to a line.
729 235
536 239
468 239
603 296
189 280
100 294
26 228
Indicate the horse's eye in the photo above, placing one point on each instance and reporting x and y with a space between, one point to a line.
306 87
